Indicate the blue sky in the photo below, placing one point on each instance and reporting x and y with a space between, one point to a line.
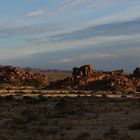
65 33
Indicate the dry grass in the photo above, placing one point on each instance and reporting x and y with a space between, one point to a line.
67 118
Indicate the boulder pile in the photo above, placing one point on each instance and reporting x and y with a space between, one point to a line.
17 76
86 77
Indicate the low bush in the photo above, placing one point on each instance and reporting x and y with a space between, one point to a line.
135 126
30 100
42 98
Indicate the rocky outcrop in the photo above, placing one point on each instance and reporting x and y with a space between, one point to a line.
120 83
16 76
85 77
83 71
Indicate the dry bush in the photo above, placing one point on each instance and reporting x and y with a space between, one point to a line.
9 98
41 98
112 131
83 136
61 104
30 100
30 115
135 126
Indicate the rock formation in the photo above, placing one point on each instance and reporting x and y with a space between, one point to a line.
83 71
16 76
86 78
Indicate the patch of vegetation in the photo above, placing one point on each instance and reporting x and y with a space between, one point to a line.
83 135
135 126
30 100
61 104
41 98
9 98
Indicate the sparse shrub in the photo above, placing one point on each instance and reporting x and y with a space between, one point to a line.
134 126
112 131
69 128
9 98
83 135
3 137
61 104
1 98
124 96
79 92
42 98
65 107
52 131
104 95
29 115
62 134
30 100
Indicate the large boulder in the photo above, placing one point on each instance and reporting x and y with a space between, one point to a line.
87 71
83 71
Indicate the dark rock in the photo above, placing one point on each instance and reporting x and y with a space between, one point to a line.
136 72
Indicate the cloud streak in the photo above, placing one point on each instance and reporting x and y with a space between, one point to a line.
35 14
53 47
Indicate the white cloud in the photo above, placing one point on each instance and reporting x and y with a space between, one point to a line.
80 6
126 15
84 57
64 61
35 13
